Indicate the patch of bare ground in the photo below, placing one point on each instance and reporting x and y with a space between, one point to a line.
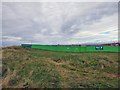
64 73
6 80
112 75
56 63
58 67
30 73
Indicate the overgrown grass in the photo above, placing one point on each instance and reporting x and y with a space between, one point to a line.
32 68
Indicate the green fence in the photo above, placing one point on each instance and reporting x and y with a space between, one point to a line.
75 48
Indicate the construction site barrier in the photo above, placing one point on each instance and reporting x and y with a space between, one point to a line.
74 48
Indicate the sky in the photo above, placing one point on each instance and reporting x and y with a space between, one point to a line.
59 22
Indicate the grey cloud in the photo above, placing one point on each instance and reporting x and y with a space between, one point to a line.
51 20
92 16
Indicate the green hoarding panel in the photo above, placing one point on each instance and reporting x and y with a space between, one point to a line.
76 48
26 45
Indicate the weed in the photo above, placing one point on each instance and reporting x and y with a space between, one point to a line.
49 69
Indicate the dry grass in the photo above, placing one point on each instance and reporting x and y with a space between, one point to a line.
47 69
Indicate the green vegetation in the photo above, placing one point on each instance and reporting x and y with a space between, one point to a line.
33 68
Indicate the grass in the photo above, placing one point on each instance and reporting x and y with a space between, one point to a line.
32 68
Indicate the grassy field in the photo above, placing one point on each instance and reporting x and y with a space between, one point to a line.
32 68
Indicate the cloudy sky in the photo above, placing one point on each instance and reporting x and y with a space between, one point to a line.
59 22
